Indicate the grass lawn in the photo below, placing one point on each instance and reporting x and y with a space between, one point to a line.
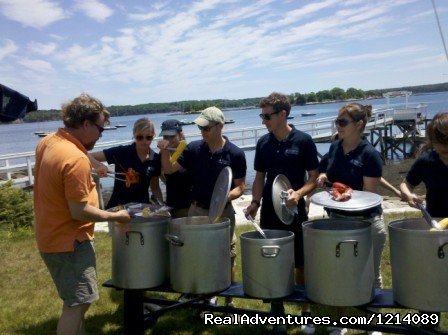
29 303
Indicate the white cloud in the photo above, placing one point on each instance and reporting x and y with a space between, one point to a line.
36 65
147 16
94 9
7 48
36 13
42 48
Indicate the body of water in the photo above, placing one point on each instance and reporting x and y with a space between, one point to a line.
17 138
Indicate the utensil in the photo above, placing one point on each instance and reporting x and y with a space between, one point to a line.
251 219
429 220
280 186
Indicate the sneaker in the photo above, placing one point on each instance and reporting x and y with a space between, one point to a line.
336 331
308 329
374 333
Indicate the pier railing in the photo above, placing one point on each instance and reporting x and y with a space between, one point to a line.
18 167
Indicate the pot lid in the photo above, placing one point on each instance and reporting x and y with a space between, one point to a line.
279 187
220 194
359 201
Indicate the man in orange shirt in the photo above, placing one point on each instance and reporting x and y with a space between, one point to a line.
66 207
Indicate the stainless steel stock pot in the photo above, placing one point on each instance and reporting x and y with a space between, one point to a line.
268 263
338 261
419 261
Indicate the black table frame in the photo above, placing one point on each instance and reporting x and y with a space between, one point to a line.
136 321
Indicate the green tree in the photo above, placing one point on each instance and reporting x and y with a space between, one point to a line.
338 93
311 97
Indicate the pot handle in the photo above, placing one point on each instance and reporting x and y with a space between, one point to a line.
440 251
174 240
270 251
355 247
142 240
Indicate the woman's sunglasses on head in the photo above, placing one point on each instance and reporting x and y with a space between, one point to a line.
147 137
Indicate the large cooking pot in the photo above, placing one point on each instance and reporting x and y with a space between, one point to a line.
338 261
419 261
140 252
199 255
268 263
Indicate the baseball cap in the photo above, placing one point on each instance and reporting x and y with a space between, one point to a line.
208 115
170 127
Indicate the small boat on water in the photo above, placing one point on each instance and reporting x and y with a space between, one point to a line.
290 117
120 125
185 122
42 134
229 121
110 128
307 114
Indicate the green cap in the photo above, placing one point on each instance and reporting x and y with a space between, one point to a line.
210 115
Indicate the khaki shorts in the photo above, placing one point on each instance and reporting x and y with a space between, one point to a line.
229 213
74 273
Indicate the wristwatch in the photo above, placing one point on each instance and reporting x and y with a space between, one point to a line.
256 202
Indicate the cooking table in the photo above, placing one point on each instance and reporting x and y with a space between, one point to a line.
135 321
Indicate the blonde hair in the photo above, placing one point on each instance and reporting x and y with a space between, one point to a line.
141 125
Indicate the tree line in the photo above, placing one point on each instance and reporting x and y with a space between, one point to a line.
193 106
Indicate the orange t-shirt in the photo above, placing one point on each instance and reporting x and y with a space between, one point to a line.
62 173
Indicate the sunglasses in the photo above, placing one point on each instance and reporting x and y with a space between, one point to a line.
100 129
342 122
147 137
268 116
206 128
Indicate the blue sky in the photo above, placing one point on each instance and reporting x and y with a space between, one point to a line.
133 52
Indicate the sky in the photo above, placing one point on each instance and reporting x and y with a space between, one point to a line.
134 52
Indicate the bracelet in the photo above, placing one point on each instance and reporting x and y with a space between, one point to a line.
256 202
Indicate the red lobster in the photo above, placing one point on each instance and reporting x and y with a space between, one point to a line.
341 192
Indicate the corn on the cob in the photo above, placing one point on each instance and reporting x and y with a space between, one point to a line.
180 148
443 224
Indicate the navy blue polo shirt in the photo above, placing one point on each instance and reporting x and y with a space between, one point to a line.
350 168
291 157
205 167
430 170
125 157
178 189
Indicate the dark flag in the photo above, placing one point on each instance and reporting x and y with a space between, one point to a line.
14 105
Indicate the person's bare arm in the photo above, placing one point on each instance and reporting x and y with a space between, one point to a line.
388 186
155 189
167 166
95 159
295 196
82 211
238 190
407 192
257 193
371 184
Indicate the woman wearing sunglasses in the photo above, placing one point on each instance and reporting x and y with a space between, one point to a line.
352 160
137 156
